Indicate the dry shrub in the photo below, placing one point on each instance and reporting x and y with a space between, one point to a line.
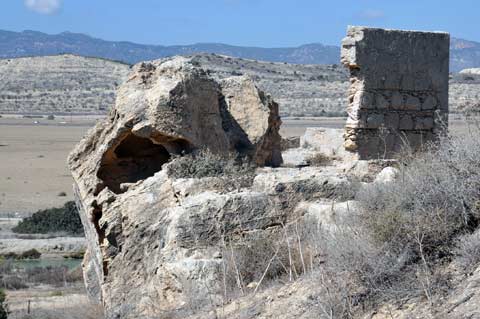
468 251
397 244
392 249
320 159
234 170
56 276
28 254
3 306
75 275
289 142
433 200
13 282
262 258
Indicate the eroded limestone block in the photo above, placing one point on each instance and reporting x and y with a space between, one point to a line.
143 229
395 77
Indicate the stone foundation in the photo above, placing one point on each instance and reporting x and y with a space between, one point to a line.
398 89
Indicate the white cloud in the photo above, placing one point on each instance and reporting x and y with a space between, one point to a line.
372 14
43 6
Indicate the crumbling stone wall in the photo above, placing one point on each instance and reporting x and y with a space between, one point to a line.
398 89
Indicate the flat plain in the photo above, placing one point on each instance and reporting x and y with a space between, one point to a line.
33 170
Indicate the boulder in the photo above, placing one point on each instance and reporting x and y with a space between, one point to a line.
151 239
325 140
387 175
171 107
257 115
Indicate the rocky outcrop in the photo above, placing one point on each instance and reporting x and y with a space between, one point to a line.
149 235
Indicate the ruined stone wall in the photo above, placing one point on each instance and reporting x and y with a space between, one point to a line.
398 89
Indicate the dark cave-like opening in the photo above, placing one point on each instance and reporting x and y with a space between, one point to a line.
133 159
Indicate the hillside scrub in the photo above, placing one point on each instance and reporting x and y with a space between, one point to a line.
53 220
400 240
396 245
435 198
28 254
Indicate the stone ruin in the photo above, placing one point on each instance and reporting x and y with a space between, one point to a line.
399 89
156 244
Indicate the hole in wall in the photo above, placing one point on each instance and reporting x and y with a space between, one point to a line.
136 158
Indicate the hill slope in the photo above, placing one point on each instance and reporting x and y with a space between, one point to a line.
59 84
32 43
79 85
464 54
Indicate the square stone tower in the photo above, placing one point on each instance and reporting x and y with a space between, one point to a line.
398 89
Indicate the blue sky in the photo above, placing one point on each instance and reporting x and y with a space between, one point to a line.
267 23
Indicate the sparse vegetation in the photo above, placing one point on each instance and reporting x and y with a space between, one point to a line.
434 200
64 219
87 86
76 255
467 251
320 159
3 306
28 254
237 172
397 244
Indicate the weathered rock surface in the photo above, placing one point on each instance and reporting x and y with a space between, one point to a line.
148 235
318 141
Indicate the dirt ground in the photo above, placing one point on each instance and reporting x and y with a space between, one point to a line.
33 169
33 152
52 303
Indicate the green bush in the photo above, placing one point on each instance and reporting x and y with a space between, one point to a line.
28 254
3 306
64 219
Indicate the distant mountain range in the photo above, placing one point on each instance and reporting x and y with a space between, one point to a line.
464 54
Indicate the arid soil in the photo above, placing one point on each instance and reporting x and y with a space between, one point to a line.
52 303
33 170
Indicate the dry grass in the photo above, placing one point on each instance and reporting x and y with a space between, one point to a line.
320 159
232 171
52 304
395 247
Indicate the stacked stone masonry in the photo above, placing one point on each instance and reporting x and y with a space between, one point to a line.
398 92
